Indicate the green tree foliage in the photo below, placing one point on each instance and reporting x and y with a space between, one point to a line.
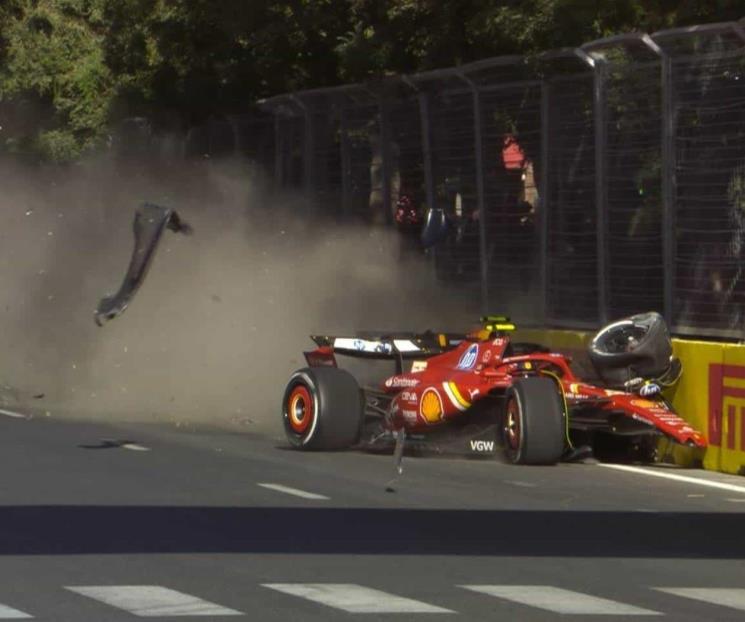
196 57
54 86
411 35
70 67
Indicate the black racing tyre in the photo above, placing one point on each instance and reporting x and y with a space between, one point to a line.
635 346
534 425
321 409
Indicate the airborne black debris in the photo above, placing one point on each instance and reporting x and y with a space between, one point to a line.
149 224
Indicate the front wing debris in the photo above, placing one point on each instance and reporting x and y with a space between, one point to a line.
149 224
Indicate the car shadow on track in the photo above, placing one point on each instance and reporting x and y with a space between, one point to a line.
65 530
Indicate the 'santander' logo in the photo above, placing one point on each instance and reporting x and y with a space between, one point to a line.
468 359
727 403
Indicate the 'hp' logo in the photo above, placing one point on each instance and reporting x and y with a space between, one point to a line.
469 357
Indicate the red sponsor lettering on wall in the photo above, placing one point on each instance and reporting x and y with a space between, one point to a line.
726 402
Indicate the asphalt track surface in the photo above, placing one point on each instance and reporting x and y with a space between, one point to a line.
203 524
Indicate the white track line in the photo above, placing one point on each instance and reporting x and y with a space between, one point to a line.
675 477
135 447
10 413
725 597
355 598
150 601
8 613
559 600
293 491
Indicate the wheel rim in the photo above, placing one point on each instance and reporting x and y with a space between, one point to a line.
300 409
512 425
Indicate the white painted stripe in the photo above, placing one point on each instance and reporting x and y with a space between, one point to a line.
293 491
726 597
560 600
735 500
10 413
675 477
355 598
520 484
135 447
8 613
150 601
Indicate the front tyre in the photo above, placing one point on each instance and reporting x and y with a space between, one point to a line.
534 425
321 409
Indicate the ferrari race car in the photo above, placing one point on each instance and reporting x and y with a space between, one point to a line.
479 391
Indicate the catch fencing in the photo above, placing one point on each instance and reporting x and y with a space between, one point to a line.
581 185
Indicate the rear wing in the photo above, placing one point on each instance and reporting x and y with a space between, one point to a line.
399 347
396 347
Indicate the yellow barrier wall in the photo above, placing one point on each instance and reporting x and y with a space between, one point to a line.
710 394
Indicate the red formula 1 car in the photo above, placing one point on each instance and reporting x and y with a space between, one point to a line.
478 391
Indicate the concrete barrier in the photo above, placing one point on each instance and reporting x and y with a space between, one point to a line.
710 394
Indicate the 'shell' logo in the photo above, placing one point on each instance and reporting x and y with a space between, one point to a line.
727 404
430 407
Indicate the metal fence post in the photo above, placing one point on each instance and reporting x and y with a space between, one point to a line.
480 197
308 150
346 159
279 152
544 203
478 142
308 156
429 177
668 188
385 156
601 189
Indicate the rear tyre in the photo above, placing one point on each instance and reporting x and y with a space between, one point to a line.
321 409
534 427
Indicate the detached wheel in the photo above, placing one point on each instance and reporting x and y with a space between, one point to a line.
534 428
321 409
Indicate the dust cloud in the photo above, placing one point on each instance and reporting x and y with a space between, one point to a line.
223 316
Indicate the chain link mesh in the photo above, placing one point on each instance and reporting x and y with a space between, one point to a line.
578 189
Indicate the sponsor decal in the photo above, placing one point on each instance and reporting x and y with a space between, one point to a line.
726 406
482 446
610 392
499 342
645 404
362 345
574 392
473 393
650 389
418 367
455 396
410 416
430 406
398 382
487 357
405 345
408 396
468 359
